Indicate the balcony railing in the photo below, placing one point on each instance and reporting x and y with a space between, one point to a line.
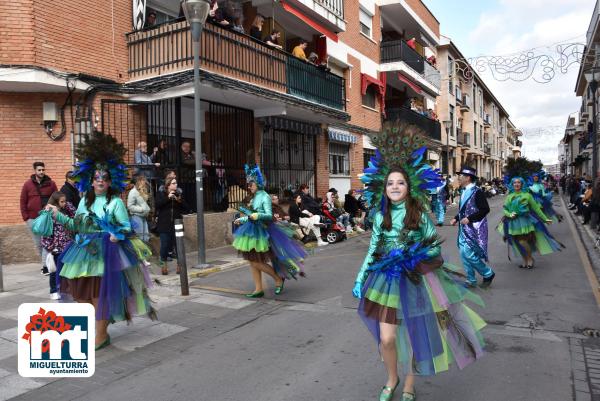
464 138
465 102
399 50
167 49
432 128
335 6
486 120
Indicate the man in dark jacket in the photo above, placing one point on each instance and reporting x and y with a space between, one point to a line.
70 191
473 229
34 196
308 202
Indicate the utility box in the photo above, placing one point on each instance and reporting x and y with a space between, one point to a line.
50 111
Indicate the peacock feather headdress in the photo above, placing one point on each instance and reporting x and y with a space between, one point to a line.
253 174
399 144
521 169
100 152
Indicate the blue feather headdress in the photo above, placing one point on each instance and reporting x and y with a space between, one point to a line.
103 153
253 174
402 145
509 182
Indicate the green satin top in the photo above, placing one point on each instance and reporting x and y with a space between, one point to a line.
538 188
389 240
81 223
261 205
523 199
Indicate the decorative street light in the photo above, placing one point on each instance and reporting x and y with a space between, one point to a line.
196 12
447 126
592 76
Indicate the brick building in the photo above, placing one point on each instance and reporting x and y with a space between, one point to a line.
67 69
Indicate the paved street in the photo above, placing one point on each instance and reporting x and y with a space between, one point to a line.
309 344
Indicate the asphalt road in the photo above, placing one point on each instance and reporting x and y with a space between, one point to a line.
309 343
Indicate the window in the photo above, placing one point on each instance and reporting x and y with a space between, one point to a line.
366 22
367 154
451 117
450 74
369 98
480 103
475 134
339 159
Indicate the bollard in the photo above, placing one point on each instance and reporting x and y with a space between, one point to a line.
181 261
1 279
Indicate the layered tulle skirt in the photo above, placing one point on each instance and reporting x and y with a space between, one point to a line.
527 229
270 242
93 267
434 326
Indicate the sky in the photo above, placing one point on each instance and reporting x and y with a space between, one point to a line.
501 27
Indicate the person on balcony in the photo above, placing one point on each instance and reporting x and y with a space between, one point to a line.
218 15
298 51
145 164
412 43
150 20
256 28
273 39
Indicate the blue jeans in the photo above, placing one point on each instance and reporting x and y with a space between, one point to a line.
167 242
140 226
472 263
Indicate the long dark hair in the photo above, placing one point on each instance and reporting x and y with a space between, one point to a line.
90 195
55 198
414 209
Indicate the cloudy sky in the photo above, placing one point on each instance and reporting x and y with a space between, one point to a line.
501 27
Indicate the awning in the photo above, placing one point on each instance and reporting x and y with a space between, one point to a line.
408 82
308 21
340 135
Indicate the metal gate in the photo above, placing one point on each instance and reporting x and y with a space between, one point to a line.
288 160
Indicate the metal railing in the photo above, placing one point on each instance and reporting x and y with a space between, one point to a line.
399 50
335 6
432 128
167 48
466 102
464 138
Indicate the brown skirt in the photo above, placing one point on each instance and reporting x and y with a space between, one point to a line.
381 313
82 288
259 257
529 237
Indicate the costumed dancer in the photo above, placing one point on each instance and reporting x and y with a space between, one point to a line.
473 229
260 240
543 196
411 300
103 265
523 225
438 203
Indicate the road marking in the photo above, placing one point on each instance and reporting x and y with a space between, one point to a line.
219 289
589 271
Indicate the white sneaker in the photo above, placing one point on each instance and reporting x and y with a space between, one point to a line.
55 296
146 263
359 230
322 243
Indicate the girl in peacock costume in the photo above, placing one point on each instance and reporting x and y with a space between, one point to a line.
103 265
523 225
543 196
411 301
261 240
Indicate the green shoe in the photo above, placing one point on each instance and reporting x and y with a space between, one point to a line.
103 344
279 288
409 396
259 294
387 393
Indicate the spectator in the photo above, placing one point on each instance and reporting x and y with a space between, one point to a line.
161 155
237 25
279 214
355 210
341 217
308 202
313 58
412 43
60 238
217 14
305 220
298 51
256 28
594 208
70 191
34 196
170 206
150 20
273 39
144 163
431 60
137 205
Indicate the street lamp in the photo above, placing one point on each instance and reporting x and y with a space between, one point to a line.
447 126
592 76
196 12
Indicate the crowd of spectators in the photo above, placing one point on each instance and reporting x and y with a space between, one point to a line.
584 198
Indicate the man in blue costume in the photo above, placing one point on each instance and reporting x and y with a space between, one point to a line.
438 203
473 229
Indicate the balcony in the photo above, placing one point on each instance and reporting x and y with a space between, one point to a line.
398 50
464 139
432 128
487 148
465 103
486 120
167 49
